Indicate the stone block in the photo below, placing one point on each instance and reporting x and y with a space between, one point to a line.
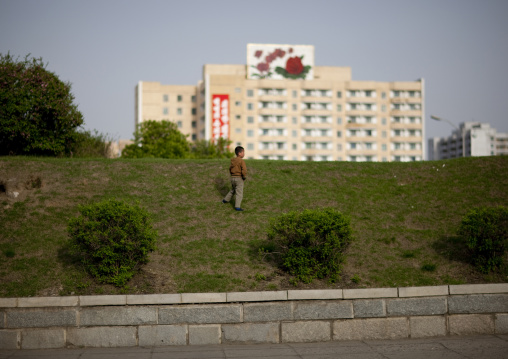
423 327
159 335
38 318
471 324
204 298
204 334
257 296
375 328
93 300
201 314
42 338
147 299
267 312
117 316
43 302
8 302
479 288
370 293
502 324
249 333
317 294
10 339
308 331
478 303
416 306
423 291
323 310
369 308
102 337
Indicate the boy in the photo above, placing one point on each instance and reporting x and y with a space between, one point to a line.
238 171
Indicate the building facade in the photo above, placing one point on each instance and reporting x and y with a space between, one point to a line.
281 106
471 139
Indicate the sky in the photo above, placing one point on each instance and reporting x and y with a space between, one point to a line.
105 47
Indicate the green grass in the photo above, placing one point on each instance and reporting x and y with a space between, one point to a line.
404 218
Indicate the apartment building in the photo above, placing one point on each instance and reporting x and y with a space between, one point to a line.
471 139
280 106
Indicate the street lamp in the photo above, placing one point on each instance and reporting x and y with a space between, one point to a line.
458 129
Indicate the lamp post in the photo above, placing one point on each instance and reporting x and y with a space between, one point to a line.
458 129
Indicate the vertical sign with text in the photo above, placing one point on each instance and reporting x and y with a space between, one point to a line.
220 117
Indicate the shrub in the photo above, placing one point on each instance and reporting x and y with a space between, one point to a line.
485 232
310 244
112 238
90 144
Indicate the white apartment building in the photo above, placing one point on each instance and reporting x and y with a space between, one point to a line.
280 106
470 140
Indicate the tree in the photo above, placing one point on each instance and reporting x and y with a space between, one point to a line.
37 113
160 139
209 149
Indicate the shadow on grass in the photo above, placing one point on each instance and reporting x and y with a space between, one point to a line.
221 184
452 248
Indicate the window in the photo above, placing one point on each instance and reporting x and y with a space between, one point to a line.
383 134
368 93
383 94
179 124
295 133
324 119
383 121
238 103
368 133
279 104
383 146
250 133
194 112
383 108
352 145
308 145
178 111
294 146
294 107
193 98
368 145
339 147
308 132
339 120
339 94
339 108
280 118
265 131
250 93
294 120
238 90
238 117
179 98
238 130
250 146
280 132
339 133
324 132
165 111
280 145
165 98
194 137
295 94
250 119
308 92
412 146
250 106
194 124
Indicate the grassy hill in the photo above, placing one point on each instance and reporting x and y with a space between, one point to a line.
404 217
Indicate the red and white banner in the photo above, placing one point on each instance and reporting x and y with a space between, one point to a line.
220 117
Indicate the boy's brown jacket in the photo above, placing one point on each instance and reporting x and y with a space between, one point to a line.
238 168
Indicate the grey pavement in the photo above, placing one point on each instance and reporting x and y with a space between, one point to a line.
478 347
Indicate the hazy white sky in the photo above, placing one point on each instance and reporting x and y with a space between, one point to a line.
104 47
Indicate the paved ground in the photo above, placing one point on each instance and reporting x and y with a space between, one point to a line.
479 347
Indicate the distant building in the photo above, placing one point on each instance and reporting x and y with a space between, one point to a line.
281 106
479 140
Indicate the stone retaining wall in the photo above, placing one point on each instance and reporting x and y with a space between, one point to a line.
253 317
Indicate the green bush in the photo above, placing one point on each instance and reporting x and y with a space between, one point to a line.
310 244
112 238
90 145
485 232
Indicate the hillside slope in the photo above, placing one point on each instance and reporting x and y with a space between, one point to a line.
404 217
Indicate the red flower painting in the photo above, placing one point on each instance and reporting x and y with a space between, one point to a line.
294 65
